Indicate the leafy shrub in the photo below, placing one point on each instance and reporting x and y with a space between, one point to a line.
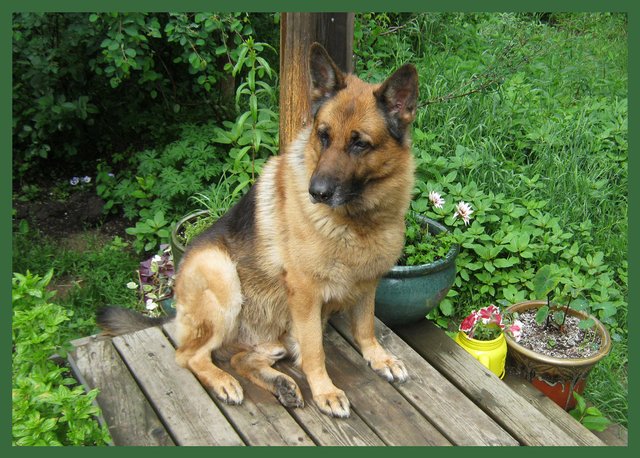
509 239
50 97
48 406
164 180
86 85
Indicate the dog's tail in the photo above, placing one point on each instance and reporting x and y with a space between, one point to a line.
115 321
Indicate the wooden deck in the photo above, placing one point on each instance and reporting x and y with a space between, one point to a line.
450 399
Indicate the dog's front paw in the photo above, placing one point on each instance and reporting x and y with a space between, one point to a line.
390 368
334 403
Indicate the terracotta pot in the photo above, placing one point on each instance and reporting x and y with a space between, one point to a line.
407 293
558 378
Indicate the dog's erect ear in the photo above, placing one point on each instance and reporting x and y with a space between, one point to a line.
326 77
397 97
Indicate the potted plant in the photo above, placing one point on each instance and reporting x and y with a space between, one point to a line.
561 341
425 272
186 229
156 276
482 334
212 206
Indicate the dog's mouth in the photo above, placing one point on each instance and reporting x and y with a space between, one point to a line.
334 201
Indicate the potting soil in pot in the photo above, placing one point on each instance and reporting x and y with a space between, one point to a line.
573 342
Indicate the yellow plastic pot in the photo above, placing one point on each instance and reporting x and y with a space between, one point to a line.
491 353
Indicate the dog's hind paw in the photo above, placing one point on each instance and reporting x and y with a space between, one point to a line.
288 392
334 404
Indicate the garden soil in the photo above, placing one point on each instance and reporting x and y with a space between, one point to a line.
550 340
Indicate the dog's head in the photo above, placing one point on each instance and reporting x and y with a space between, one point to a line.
360 135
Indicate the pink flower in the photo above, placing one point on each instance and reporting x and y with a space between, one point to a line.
490 314
515 330
469 322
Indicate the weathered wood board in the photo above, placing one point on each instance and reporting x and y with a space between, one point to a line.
450 399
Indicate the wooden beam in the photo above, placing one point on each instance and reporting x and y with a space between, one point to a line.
297 32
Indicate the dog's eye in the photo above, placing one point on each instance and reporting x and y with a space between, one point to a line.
358 146
323 136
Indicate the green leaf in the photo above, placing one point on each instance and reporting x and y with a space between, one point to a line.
446 307
586 324
542 314
505 263
158 218
580 304
240 62
545 280
581 404
558 317
593 411
595 423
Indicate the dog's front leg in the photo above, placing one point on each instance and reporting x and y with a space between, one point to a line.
363 329
305 304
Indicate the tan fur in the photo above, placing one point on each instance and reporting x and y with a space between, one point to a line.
264 298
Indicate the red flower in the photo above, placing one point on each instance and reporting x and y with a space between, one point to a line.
469 322
486 314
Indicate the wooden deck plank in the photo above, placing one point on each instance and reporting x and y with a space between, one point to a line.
183 405
615 435
323 429
458 418
260 419
277 416
385 410
552 411
127 413
508 408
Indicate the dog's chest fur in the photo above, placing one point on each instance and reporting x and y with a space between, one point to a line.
337 251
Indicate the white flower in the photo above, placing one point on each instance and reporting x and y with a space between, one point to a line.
436 199
74 181
463 210
156 258
86 179
110 175
151 305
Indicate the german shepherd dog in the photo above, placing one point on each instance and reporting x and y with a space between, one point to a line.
313 236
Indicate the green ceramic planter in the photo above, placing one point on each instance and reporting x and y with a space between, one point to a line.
177 247
407 293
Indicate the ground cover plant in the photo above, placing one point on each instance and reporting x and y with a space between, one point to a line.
522 116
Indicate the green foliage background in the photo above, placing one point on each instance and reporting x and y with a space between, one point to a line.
523 116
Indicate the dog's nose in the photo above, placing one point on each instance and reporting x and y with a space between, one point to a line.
322 188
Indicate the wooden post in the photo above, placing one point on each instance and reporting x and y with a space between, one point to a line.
297 32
